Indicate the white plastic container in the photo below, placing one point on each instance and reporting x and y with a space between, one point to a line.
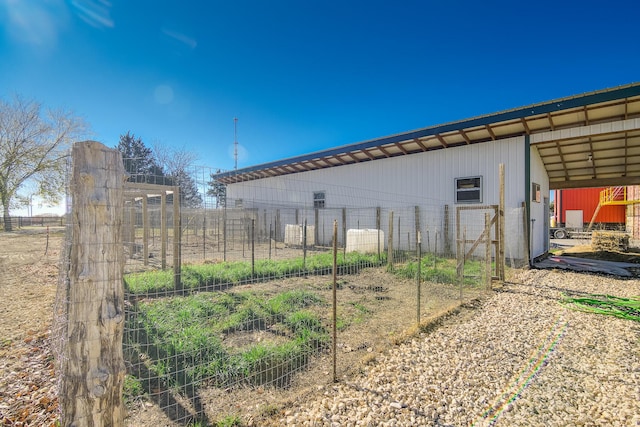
365 241
293 235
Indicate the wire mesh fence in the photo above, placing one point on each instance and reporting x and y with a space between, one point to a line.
226 310
18 222
251 305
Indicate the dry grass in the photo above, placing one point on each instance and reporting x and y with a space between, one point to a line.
28 280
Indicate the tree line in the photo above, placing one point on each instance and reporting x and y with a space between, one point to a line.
35 147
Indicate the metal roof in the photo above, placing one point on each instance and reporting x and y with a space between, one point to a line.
607 156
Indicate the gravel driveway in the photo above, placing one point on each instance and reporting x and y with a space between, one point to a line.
522 359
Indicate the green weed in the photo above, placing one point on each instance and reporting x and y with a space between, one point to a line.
229 421
444 272
210 276
183 337
132 389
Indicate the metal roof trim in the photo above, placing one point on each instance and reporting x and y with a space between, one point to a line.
589 98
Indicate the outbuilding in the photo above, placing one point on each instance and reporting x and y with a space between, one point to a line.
588 140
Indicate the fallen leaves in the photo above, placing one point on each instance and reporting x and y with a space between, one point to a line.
28 384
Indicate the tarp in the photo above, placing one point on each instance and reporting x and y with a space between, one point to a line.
622 269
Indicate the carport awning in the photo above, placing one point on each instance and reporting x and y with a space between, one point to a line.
587 140
593 155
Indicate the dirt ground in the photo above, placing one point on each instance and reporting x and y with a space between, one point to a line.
29 261
28 280
382 312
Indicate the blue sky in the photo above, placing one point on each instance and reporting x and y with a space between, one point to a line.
304 75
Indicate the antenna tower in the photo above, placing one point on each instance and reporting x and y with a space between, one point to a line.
235 141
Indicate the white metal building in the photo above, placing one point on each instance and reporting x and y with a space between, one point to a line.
587 140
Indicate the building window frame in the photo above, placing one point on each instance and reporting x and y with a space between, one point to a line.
468 189
535 192
319 199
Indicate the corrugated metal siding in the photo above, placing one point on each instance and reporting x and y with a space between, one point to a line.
586 200
423 179
426 178
538 211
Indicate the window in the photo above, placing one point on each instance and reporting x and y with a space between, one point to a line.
535 192
318 199
469 190
238 203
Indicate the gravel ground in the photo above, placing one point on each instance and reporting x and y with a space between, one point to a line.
522 359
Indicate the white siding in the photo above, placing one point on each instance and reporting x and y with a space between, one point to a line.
538 213
417 179
400 183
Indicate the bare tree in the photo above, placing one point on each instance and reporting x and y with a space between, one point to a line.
176 162
173 159
34 146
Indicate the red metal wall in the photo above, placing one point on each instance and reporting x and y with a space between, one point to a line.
586 200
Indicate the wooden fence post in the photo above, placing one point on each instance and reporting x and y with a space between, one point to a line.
417 220
177 239
334 317
378 225
316 222
92 369
500 262
132 228
344 231
390 242
445 232
164 232
145 230
487 251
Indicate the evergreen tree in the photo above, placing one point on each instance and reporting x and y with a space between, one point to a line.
217 190
162 165
189 195
139 161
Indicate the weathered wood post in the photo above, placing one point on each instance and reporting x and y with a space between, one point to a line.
390 242
459 250
264 225
500 262
344 232
316 219
204 235
334 317
132 228
164 232
93 369
525 232
224 232
145 230
378 225
487 251
177 239
418 274
417 221
253 248
445 232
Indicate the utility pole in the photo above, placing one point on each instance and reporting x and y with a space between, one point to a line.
235 142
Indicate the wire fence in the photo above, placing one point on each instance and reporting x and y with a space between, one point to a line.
18 222
230 311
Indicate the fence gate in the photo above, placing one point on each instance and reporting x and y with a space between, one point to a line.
487 236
